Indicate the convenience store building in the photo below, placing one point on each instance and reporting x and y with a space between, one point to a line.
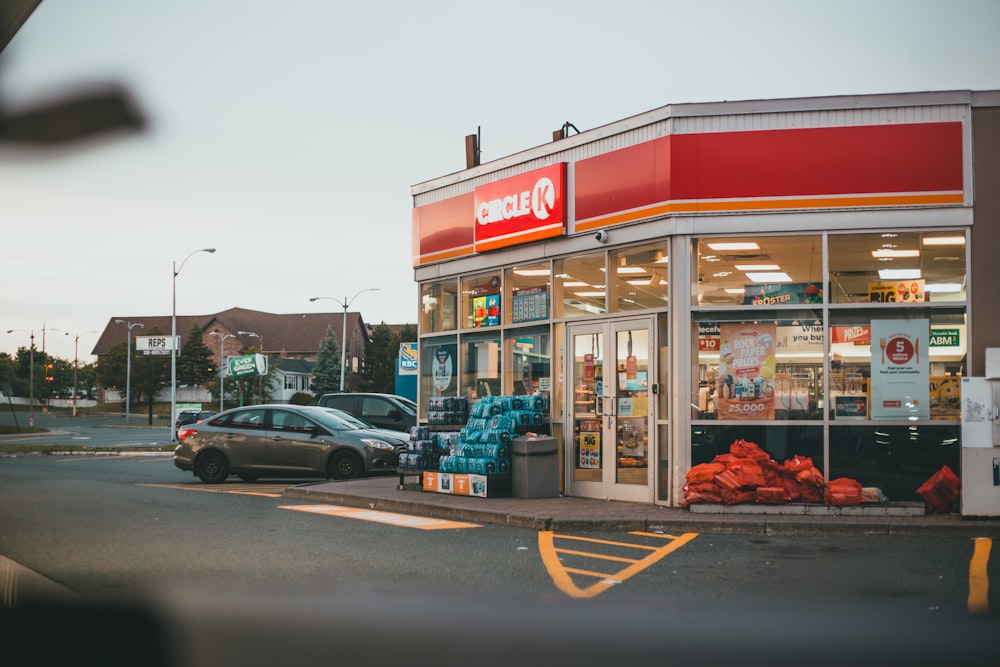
813 275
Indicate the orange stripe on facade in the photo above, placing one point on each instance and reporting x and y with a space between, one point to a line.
443 255
743 205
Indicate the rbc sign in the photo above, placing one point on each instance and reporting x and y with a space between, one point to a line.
409 357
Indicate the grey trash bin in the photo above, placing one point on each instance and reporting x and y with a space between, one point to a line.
534 468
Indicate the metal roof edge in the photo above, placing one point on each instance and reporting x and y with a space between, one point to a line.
719 108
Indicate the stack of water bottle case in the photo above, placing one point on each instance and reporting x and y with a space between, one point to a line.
482 446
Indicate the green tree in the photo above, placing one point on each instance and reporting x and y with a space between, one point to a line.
382 355
196 363
327 370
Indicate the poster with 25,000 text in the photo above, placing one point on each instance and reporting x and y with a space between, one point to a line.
745 385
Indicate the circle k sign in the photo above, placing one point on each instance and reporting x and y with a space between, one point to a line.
521 209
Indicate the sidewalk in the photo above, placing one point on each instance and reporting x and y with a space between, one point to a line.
586 514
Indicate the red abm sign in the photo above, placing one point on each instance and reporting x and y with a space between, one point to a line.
524 208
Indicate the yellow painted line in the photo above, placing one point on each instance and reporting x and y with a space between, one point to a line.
979 582
561 574
265 490
378 516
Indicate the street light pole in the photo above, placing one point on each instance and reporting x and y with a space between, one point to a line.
345 304
222 365
76 364
260 345
128 364
31 376
173 345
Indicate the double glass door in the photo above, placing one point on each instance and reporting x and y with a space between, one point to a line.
611 409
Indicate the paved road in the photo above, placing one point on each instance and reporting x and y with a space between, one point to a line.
85 430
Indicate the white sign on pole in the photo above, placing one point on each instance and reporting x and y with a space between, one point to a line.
155 345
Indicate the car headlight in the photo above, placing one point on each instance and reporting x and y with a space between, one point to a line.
377 444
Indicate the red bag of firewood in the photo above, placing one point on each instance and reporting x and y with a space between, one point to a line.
942 490
703 472
843 491
691 497
792 488
701 487
748 472
771 495
797 463
749 450
728 480
810 477
810 494
736 497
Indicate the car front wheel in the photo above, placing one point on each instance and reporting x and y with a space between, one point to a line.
212 468
345 465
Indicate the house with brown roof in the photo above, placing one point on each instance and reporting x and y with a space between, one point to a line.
295 336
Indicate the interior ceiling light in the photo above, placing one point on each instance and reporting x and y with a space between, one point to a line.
734 245
769 277
631 269
943 288
758 267
735 290
575 283
899 274
531 272
722 274
893 253
640 282
589 294
943 240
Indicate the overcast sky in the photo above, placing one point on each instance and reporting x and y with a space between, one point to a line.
287 134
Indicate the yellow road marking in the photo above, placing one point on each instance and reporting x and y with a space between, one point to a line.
979 582
391 518
265 490
561 574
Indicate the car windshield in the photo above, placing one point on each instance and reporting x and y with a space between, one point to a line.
355 422
337 420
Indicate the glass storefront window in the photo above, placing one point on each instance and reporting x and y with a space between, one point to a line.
883 267
860 378
480 366
528 293
481 301
528 356
581 286
758 271
768 368
637 277
438 369
439 306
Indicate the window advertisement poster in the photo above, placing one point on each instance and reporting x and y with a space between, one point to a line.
897 291
530 305
444 369
769 294
900 374
745 384
590 444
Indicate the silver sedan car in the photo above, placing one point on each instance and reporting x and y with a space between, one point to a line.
284 441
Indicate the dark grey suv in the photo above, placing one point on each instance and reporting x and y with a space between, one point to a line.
390 411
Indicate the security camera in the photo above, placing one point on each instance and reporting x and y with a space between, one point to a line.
601 236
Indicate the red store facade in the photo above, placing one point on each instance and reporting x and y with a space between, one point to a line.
701 273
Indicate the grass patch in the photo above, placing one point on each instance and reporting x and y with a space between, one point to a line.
13 430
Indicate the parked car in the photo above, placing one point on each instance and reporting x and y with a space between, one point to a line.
191 416
284 441
390 411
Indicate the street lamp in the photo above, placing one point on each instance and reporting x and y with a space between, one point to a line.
260 346
76 365
128 364
173 345
31 376
222 365
345 304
